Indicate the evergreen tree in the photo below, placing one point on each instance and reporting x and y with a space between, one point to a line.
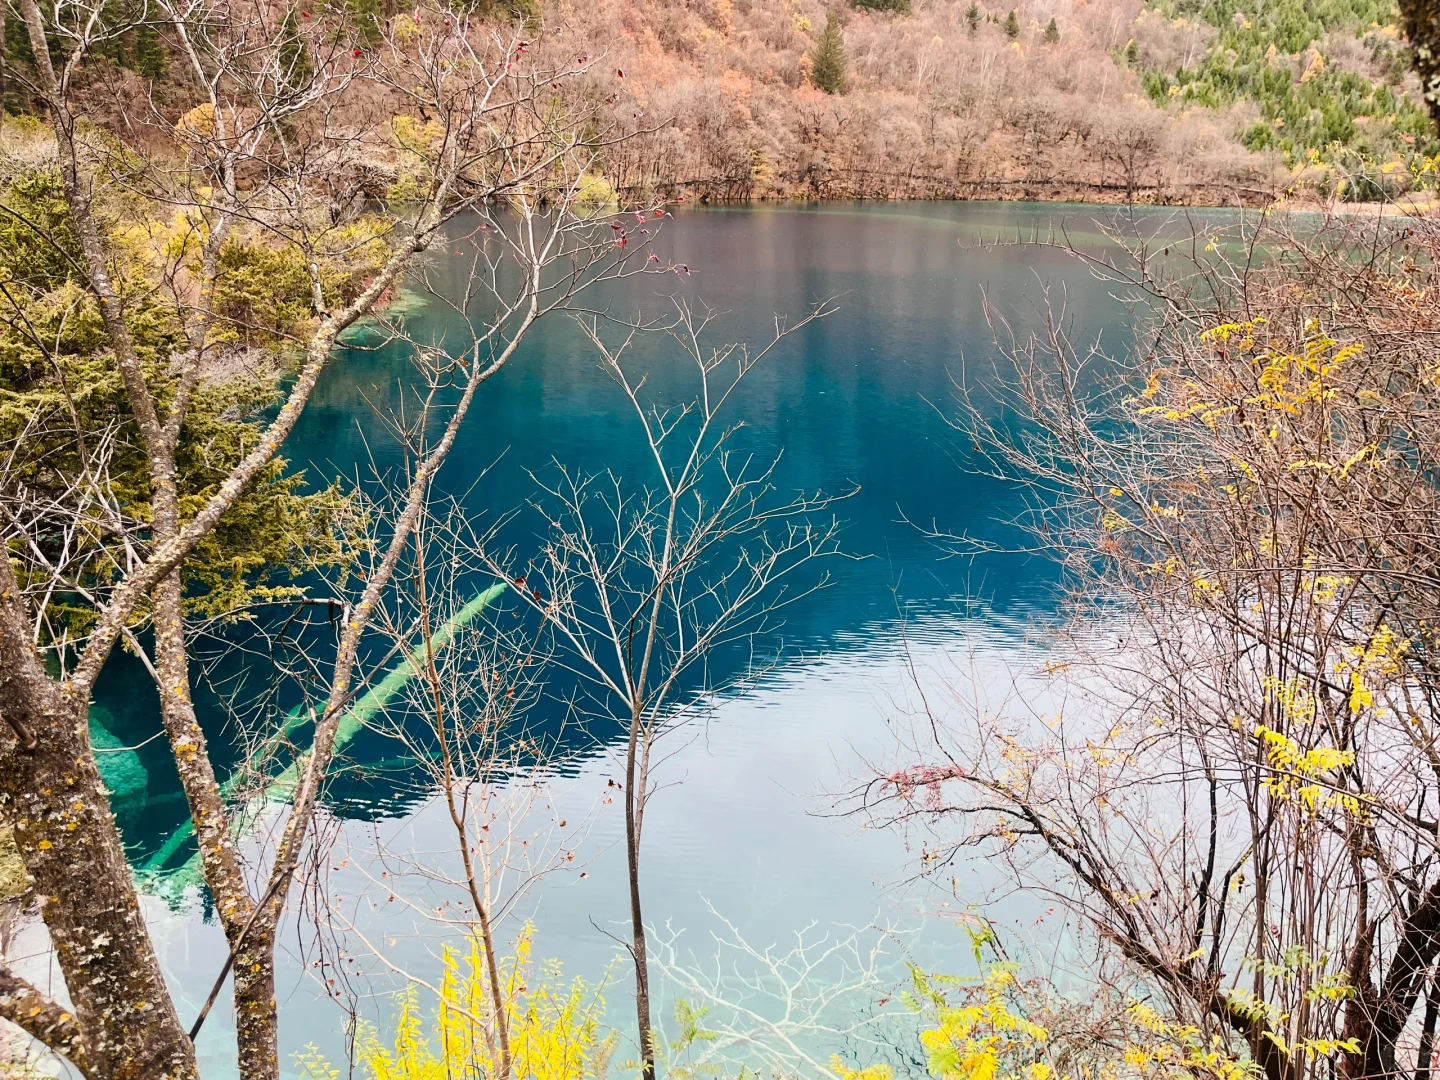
972 16
364 17
1132 52
527 11
1012 25
1052 33
150 57
296 69
827 59
902 6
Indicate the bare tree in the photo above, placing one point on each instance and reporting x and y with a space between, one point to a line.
1239 795
286 113
642 584
491 770
1130 142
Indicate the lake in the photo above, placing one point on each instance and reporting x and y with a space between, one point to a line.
748 828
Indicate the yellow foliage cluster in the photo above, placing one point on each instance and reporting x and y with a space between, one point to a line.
1294 700
555 1029
1163 1046
1366 666
1299 773
872 1072
986 1029
593 192
1325 587
1292 379
1288 379
983 1036
1294 965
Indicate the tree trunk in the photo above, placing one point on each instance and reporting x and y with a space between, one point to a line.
53 795
638 947
1427 1030
256 1021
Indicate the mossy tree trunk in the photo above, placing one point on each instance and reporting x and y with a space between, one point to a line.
124 1025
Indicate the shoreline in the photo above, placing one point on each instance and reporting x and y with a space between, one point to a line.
1200 196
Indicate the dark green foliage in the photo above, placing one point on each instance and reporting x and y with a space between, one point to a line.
364 17
1012 25
1291 25
38 247
128 35
296 67
138 48
264 292
527 11
1361 181
828 59
1420 22
1318 115
16 99
274 531
972 16
902 6
61 396
1052 33
150 56
1132 52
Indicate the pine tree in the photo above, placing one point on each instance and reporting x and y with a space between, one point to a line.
150 56
1012 25
827 59
365 18
972 16
1132 51
296 70
1052 33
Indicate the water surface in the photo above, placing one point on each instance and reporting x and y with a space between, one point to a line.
857 403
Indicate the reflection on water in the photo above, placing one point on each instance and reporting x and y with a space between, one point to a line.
750 827
743 824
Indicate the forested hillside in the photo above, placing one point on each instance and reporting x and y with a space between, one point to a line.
1173 100
1194 100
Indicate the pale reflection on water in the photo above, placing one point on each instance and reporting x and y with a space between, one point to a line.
750 827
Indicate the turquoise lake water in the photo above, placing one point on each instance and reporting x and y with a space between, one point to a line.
746 828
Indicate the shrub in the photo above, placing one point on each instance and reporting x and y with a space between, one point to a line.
555 1029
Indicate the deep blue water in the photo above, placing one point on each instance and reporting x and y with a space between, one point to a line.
856 402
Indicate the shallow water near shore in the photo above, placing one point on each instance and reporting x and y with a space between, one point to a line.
750 826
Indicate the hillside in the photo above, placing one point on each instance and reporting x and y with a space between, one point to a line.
1183 100
1196 101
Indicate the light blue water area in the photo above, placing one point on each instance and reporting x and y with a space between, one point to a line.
745 824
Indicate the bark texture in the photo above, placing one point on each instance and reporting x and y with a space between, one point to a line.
68 840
